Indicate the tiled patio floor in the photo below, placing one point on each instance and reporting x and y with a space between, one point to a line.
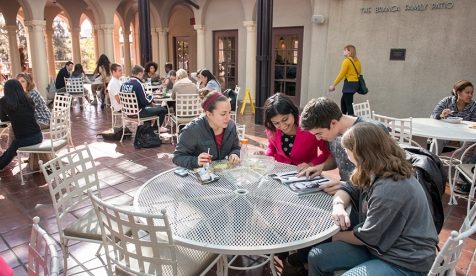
122 170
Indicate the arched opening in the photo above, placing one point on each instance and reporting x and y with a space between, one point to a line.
87 47
61 43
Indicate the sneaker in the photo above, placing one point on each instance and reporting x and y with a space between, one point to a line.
463 189
294 260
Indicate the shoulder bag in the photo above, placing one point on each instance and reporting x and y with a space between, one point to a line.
362 86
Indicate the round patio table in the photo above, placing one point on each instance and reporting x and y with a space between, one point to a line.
255 217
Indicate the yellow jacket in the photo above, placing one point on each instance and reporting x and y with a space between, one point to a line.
347 70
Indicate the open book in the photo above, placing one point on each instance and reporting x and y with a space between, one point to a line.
301 185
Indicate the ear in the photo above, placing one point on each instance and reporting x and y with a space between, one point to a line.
208 113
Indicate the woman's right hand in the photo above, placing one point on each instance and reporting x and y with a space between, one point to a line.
340 216
445 112
204 158
332 87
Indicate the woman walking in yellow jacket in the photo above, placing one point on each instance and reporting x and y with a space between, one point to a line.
351 82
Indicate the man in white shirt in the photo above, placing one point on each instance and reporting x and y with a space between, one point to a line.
114 86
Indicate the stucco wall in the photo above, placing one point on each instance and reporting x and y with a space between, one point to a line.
179 25
439 47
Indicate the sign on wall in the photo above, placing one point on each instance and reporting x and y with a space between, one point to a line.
410 7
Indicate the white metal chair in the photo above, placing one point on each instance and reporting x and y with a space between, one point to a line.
59 129
233 113
130 111
187 108
362 109
447 258
75 88
123 78
42 256
399 129
150 249
467 171
61 102
114 115
68 177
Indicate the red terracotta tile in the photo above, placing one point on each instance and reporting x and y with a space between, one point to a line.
17 236
14 222
10 210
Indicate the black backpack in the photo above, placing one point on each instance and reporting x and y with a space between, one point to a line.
146 138
115 134
231 95
431 174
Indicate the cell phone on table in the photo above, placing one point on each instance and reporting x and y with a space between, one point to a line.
181 172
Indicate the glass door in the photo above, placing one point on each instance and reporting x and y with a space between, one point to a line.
225 58
181 53
286 65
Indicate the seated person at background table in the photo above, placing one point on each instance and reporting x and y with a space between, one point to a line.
196 79
287 143
78 73
170 81
323 118
147 109
19 109
168 67
114 86
151 72
459 104
209 81
213 131
183 85
63 73
42 113
396 234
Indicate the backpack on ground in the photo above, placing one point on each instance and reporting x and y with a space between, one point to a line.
146 138
431 174
115 134
231 95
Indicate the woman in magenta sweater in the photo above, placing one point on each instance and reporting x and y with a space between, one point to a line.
287 143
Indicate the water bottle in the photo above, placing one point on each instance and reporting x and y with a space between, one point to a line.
244 150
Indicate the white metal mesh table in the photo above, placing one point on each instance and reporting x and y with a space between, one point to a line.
224 217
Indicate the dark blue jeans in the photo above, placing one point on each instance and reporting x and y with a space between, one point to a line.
154 111
10 153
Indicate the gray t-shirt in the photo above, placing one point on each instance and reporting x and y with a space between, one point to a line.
343 163
395 222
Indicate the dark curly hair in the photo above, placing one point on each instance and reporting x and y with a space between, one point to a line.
277 104
103 61
149 64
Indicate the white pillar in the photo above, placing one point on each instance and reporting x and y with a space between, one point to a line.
117 47
38 56
28 50
50 54
94 34
108 40
75 33
127 53
162 49
200 46
13 47
135 44
155 45
99 39
250 58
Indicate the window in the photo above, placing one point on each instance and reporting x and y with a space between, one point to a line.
225 58
181 53
286 63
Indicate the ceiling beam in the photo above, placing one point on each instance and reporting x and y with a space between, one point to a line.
193 4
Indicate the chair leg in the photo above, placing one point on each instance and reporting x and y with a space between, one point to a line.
123 128
19 167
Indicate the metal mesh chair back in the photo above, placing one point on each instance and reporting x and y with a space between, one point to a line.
68 177
59 124
129 103
362 109
74 85
62 101
399 129
42 255
233 113
467 171
187 105
149 250
445 261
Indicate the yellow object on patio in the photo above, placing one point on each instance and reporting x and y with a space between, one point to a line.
247 96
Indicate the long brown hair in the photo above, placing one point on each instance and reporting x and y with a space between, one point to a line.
376 153
352 50
30 84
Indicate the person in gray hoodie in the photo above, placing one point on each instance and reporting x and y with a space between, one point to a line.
212 136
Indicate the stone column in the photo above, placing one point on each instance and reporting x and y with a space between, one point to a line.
250 59
50 53
94 35
135 44
200 46
13 47
75 32
108 40
38 56
163 49
117 46
28 50
155 45
99 39
127 53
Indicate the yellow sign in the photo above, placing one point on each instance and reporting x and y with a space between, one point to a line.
247 96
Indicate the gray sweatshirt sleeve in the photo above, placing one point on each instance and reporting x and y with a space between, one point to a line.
184 152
